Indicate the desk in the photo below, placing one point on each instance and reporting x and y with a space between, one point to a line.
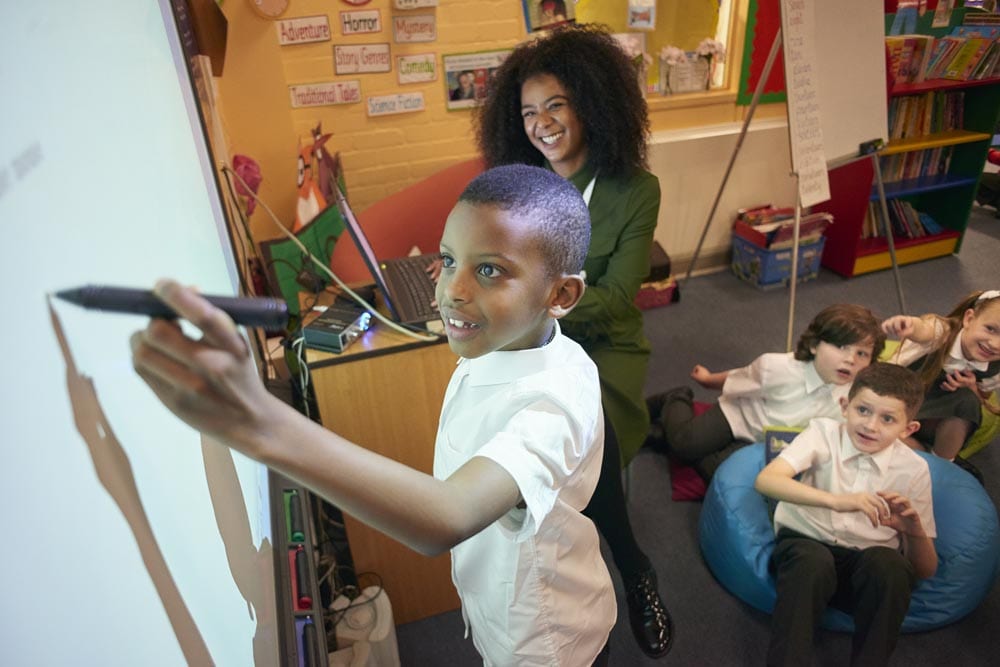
385 392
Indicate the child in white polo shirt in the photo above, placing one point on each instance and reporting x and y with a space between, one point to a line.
857 531
776 389
519 446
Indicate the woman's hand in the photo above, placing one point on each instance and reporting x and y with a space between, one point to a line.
211 383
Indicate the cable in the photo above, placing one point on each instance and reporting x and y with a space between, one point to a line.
325 269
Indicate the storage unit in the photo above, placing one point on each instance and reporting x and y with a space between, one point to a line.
947 197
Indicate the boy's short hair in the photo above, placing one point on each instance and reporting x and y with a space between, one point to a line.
553 204
841 324
891 380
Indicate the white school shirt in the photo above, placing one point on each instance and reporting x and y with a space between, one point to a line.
534 587
777 389
828 460
955 360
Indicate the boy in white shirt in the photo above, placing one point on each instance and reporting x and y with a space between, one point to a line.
858 530
776 389
518 450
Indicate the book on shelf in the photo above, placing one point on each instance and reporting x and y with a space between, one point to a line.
962 64
918 115
905 221
908 56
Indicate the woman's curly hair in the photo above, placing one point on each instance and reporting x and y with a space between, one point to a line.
600 80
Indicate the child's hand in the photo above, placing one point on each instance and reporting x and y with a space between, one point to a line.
701 375
902 517
957 379
434 269
872 505
900 326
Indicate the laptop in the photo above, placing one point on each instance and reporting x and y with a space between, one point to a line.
405 285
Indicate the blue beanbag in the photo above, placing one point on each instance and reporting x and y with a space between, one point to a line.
737 539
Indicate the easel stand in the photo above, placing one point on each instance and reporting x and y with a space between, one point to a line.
868 149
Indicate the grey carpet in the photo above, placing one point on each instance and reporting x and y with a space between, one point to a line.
721 323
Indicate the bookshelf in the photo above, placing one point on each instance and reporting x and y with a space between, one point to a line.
946 196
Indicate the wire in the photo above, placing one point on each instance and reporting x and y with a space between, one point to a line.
326 269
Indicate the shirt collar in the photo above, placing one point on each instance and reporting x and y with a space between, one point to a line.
956 353
504 367
812 378
848 451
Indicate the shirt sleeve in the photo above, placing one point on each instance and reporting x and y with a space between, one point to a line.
543 449
612 295
990 384
748 381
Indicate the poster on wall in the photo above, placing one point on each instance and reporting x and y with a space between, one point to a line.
641 15
468 74
544 14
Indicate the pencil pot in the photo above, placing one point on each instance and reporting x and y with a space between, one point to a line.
767 269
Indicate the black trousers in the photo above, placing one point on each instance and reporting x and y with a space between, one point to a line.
608 512
704 441
873 584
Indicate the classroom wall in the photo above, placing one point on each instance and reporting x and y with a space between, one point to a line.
382 155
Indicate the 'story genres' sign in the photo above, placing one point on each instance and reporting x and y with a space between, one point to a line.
361 58
324 94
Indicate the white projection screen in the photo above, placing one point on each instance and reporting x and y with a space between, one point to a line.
128 540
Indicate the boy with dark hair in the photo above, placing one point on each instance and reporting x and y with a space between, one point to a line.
858 530
518 450
776 389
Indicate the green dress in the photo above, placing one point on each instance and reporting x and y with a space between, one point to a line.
606 322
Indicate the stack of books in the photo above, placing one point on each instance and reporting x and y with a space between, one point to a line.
971 52
773 227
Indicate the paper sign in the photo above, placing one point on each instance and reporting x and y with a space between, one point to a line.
361 58
324 94
360 22
417 68
804 121
384 105
416 28
303 30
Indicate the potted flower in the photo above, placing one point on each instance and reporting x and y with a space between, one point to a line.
713 51
640 59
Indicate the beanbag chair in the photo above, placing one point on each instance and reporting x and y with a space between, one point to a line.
737 538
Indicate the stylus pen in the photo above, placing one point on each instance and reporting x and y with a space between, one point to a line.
251 312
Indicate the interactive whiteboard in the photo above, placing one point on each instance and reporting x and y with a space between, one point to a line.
128 540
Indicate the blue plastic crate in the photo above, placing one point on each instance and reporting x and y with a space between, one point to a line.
767 268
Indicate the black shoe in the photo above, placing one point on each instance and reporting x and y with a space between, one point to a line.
651 623
968 467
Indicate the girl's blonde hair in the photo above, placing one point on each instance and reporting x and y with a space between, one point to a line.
933 363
